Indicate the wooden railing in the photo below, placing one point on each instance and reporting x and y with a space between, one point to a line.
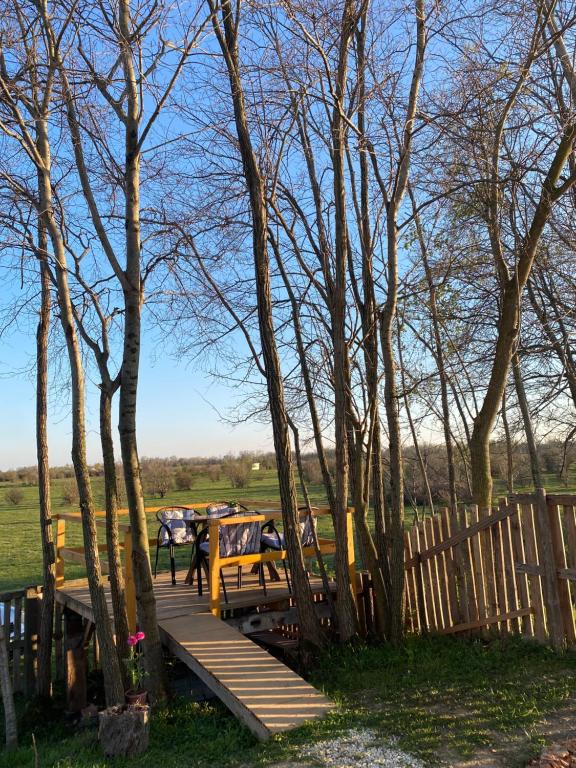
267 510
216 562
76 555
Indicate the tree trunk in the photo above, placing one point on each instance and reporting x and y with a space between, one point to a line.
347 614
115 572
527 422
114 690
310 628
133 298
44 673
439 358
508 441
395 533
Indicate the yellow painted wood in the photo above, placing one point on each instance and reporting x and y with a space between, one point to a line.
60 543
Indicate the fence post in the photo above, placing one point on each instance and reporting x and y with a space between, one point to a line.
560 562
76 662
549 576
60 542
31 614
129 586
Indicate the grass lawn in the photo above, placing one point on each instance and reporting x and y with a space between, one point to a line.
19 529
444 699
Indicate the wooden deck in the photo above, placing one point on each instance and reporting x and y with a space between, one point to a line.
263 693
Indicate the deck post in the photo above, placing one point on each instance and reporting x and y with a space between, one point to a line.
351 555
76 662
214 566
60 543
129 586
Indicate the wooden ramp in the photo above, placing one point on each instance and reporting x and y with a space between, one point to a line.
263 693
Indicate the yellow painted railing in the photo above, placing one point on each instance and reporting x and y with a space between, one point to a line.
76 555
216 563
267 510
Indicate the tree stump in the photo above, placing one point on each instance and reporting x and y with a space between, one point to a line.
123 731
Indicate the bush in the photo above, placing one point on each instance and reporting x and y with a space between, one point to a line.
238 472
184 479
70 493
214 471
14 496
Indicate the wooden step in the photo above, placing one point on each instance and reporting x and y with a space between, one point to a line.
263 693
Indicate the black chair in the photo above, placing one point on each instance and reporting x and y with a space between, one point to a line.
273 539
174 531
235 539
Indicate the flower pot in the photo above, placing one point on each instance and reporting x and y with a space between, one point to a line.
124 731
139 697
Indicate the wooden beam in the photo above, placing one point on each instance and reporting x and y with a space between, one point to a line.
487 620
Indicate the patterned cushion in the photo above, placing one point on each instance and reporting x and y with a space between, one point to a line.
276 540
174 519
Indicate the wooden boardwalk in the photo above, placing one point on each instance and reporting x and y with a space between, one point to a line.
261 691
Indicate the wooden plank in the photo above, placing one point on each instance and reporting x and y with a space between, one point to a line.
499 575
528 530
262 692
468 568
60 543
563 587
427 577
442 573
478 564
423 620
509 571
31 617
455 615
546 558
17 647
435 574
411 594
485 522
498 619
488 564
460 576
519 556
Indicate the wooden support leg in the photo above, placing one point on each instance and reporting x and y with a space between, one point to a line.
76 662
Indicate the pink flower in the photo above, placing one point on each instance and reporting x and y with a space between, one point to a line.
139 636
132 640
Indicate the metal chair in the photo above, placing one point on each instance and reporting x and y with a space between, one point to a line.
272 538
174 531
234 540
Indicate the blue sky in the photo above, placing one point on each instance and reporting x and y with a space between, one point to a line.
179 411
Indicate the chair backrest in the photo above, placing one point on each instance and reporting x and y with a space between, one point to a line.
173 519
307 532
221 510
240 539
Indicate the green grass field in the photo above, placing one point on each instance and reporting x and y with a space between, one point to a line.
20 565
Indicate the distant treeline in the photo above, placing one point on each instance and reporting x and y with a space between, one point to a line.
162 475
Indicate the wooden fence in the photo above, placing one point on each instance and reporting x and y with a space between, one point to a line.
513 569
20 617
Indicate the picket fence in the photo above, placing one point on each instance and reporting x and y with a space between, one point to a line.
512 569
